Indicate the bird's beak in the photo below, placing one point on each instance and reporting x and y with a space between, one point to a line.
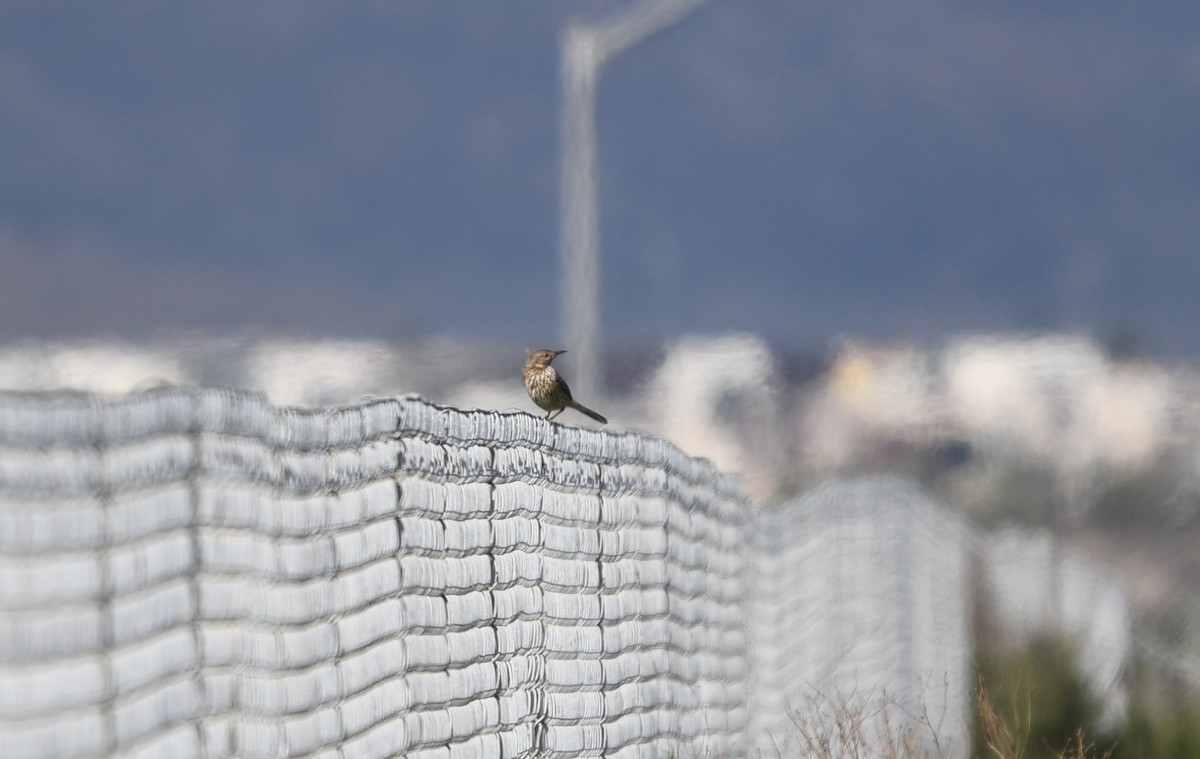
559 353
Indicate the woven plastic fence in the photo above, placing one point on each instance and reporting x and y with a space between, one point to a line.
198 573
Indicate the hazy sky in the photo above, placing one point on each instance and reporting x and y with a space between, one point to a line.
798 169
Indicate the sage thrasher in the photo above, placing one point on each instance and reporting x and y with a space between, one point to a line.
547 389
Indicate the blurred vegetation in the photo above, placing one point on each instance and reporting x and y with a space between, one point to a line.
1033 703
1173 733
1154 500
1002 492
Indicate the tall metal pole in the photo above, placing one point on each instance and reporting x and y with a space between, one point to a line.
585 50
581 224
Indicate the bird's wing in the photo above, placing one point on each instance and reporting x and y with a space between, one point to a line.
562 385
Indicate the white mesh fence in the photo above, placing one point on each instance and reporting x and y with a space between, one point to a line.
201 574
1035 586
862 624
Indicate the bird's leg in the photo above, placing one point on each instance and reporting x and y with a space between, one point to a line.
556 413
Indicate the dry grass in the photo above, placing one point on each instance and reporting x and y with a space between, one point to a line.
1000 738
870 727
882 728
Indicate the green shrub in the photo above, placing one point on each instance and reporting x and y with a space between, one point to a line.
1036 695
1032 702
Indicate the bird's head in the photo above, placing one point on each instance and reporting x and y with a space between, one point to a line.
542 356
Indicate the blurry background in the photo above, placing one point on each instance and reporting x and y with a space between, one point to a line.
953 241
799 170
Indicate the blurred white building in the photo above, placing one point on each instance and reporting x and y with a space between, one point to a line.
320 373
873 393
715 397
1057 401
101 367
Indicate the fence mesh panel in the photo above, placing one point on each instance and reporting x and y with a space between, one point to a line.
197 573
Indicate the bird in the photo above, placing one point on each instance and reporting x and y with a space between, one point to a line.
547 389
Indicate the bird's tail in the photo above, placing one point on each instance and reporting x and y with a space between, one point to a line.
588 412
